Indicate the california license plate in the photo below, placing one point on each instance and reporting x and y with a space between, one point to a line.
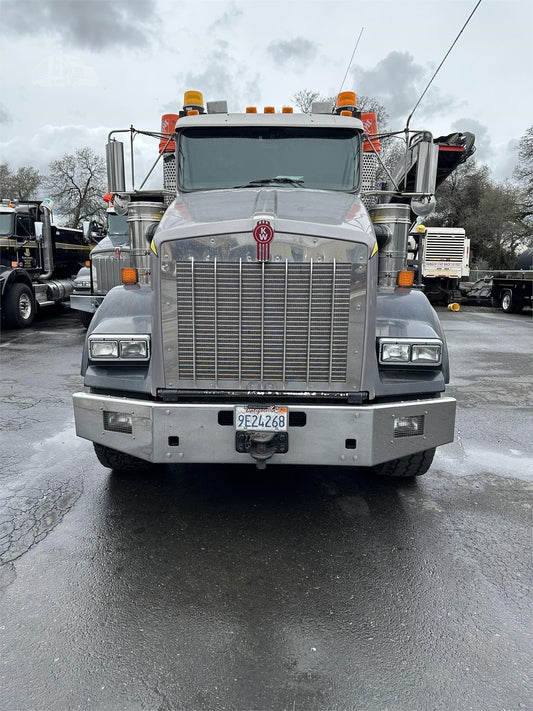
261 419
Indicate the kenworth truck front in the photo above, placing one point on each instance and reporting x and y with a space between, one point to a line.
269 317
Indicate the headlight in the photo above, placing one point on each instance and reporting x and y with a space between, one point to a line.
119 348
410 351
82 284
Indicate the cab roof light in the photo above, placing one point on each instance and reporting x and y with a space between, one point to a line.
287 110
129 275
406 277
269 110
193 100
347 99
346 113
251 109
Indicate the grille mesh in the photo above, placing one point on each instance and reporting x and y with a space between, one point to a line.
106 270
263 321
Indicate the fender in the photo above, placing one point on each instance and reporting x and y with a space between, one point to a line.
9 276
407 313
125 310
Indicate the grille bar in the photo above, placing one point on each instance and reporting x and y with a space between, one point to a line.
262 322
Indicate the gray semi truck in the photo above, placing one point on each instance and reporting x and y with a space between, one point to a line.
268 315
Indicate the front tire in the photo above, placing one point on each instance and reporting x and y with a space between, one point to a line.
85 317
19 306
406 467
120 462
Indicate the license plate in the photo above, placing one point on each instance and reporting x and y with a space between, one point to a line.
261 419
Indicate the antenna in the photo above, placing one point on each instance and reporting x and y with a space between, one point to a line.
351 59
440 65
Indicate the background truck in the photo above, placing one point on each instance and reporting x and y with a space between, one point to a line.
37 260
512 290
269 316
107 259
441 259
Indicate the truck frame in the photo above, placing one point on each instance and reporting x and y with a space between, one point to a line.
269 316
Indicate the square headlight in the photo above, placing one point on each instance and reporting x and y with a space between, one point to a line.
136 349
105 349
426 353
394 352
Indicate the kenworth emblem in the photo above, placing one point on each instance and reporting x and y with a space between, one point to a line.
263 235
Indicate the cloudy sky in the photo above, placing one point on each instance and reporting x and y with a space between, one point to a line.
72 70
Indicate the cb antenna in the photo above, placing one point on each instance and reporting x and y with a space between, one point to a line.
351 59
440 65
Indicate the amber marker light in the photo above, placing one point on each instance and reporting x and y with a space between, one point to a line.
193 112
406 278
270 110
251 109
128 275
347 98
287 110
346 113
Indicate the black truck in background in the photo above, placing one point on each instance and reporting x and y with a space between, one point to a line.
512 290
38 260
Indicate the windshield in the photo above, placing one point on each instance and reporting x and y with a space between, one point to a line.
6 224
117 224
318 158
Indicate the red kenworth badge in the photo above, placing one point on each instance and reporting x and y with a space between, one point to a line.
263 235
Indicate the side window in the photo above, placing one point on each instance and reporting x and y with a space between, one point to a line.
25 227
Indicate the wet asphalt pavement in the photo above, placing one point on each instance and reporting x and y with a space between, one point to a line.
294 589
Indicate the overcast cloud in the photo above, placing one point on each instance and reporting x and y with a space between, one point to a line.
73 70
89 24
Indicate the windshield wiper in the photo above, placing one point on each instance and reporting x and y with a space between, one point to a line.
278 180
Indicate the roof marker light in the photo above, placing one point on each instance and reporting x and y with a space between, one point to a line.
287 110
251 109
269 110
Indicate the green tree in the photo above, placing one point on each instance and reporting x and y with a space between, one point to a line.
77 183
21 185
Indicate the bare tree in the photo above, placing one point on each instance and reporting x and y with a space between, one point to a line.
524 174
77 183
21 185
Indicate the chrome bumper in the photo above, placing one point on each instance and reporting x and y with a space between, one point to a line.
332 434
85 303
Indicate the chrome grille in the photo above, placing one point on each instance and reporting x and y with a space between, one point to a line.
105 268
262 322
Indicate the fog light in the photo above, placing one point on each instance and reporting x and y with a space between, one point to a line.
118 422
408 425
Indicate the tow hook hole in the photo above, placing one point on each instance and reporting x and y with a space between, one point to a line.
297 419
225 418
173 441
350 444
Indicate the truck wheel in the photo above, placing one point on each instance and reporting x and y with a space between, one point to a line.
511 304
119 461
19 306
85 317
413 465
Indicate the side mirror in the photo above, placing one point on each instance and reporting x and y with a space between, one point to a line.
38 232
86 226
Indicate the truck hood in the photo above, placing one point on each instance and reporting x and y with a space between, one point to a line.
313 210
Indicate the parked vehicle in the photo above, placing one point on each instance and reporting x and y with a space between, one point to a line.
38 260
107 259
269 316
512 290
